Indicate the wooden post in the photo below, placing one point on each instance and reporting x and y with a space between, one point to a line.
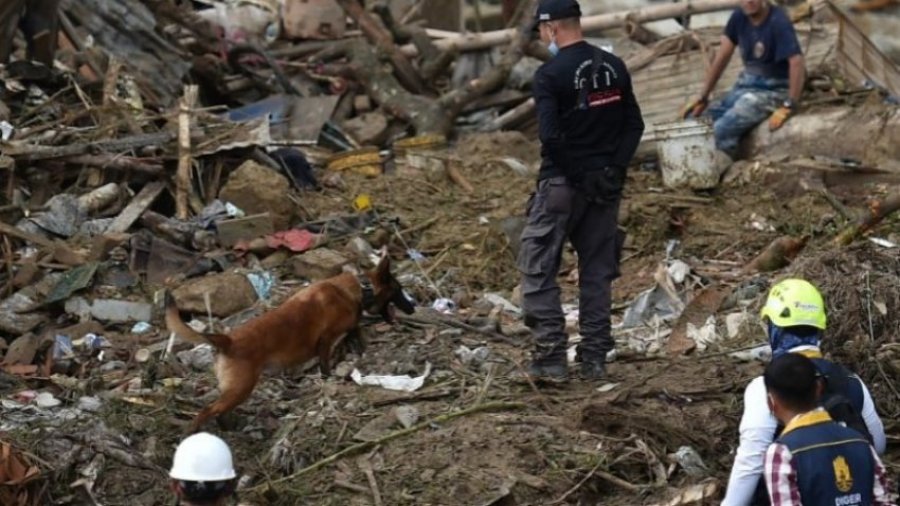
183 177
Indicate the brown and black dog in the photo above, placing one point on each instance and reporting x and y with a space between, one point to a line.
308 325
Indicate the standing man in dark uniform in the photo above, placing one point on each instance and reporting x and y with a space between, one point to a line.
590 127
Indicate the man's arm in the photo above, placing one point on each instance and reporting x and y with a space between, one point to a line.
873 421
757 432
723 56
632 128
797 77
549 130
781 478
880 493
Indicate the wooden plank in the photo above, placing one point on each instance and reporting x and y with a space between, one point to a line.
136 207
27 236
249 227
859 55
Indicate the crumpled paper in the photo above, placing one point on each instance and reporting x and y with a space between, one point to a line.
402 383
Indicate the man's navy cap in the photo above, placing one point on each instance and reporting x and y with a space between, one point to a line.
549 10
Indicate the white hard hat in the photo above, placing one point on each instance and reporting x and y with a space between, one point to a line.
202 457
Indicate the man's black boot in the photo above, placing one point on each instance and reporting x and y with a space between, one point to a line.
592 370
553 370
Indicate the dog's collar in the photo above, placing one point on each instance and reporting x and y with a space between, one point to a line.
368 296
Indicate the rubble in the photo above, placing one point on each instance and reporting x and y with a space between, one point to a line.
318 135
318 264
256 189
221 294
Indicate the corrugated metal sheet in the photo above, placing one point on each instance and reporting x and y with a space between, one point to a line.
666 85
860 59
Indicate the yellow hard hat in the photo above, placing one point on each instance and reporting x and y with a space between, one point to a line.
794 302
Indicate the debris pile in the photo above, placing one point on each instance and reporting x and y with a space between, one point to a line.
236 151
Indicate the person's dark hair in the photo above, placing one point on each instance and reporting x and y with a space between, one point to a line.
793 379
206 492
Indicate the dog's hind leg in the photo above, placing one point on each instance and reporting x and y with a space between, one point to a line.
235 387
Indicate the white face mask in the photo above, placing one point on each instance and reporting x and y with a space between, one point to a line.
553 47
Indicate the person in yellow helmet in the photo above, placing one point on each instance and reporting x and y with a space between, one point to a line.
795 318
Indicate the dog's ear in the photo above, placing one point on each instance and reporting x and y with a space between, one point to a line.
383 270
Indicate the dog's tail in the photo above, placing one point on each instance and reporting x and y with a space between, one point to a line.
176 325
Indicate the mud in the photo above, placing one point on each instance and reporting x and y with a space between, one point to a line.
607 443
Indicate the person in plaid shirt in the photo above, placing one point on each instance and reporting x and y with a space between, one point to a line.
816 461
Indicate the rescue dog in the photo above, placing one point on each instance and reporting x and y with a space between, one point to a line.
308 325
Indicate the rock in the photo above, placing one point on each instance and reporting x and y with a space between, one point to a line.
516 297
113 365
733 323
368 129
377 427
110 310
228 293
406 415
320 263
200 358
362 104
14 318
343 370
46 400
23 349
512 227
89 403
496 299
258 189
360 249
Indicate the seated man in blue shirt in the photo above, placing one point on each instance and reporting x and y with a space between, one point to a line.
771 82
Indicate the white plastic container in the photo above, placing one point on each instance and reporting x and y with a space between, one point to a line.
687 154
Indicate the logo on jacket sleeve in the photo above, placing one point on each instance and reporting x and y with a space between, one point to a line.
842 477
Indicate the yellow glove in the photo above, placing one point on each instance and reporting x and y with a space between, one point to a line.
694 108
777 119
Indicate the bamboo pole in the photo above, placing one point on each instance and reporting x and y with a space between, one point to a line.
183 177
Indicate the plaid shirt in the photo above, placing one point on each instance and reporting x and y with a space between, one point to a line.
781 479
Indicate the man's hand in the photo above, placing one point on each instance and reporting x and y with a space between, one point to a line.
777 119
694 108
602 185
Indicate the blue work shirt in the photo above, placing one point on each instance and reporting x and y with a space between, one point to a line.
765 48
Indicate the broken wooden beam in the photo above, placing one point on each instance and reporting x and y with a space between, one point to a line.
877 211
484 40
7 229
406 73
33 152
183 176
115 162
136 207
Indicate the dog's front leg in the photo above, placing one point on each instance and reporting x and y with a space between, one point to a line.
326 348
355 341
